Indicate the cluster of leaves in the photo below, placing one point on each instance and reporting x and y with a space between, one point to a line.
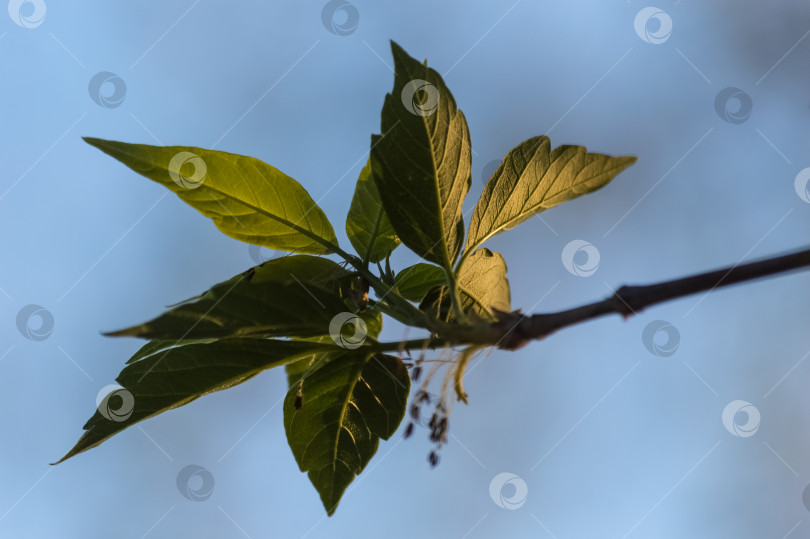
347 390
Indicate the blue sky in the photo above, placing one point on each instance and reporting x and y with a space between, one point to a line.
601 436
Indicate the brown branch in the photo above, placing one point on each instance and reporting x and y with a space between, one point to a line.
514 330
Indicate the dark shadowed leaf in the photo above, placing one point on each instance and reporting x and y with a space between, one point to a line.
335 420
421 161
533 178
367 225
157 346
317 270
247 199
180 375
296 369
295 295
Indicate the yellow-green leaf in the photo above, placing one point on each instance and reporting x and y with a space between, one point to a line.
532 178
247 199
483 284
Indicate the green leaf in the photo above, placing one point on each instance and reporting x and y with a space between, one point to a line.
483 284
248 199
296 369
367 225
157 346
290 269
532 179
421 161
295 295
164 381
415 281
346 405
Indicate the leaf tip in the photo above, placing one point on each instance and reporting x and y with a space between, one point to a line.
396 48
92 141
400 56
63 459
625 162
128 332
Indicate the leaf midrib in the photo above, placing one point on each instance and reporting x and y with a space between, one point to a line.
343 407
331 246
448 263
373 239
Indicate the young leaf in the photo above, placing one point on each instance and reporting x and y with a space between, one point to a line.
421 161
256 304
483 280
483 285
367 225
415 281
180 375
248 199
345 407
532 178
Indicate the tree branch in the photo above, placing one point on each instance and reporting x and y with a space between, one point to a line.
514 330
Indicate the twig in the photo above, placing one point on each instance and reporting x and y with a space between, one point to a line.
514 330
629 300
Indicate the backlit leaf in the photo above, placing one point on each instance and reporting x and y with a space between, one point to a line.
532 178
421 161
247 199
483 284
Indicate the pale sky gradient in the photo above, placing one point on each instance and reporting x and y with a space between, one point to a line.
609 439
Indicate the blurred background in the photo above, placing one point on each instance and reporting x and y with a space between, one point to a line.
689 420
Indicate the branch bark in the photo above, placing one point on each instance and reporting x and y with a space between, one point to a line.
514 330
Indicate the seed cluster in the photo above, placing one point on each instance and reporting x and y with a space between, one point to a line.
438 425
